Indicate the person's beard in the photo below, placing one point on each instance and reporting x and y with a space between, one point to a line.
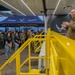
73 18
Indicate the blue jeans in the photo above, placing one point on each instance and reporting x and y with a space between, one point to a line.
16 46
7 51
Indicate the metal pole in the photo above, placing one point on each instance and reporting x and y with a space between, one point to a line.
29 54
47 51
46 18
0 73
18 64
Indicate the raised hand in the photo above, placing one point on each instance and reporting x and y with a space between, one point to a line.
65 24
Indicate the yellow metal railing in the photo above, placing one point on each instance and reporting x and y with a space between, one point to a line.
62 56
16 56
38 44
59 55
54 61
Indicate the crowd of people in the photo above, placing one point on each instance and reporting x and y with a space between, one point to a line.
13 40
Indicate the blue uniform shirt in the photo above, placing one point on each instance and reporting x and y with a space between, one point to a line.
17 38
8 39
